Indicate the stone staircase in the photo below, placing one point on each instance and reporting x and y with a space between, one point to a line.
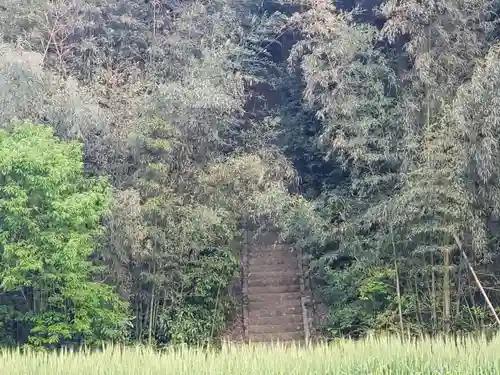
275 301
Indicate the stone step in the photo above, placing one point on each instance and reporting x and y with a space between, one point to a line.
274 299
278 328
258 273
257 319
288 309
273 289
277 337
273 268
271 251
266 251
274 280
272 261
274 296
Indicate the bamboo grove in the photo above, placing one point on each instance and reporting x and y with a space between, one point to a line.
138 140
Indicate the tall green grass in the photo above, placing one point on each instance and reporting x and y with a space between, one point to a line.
372 356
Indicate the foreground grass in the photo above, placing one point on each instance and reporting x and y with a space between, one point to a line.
374 357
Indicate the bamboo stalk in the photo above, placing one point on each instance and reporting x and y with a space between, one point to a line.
398 288
476 279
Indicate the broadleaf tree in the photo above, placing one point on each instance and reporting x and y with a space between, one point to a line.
51 215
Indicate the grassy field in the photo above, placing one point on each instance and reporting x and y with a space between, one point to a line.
375 357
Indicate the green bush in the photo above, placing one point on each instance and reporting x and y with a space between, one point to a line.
50 215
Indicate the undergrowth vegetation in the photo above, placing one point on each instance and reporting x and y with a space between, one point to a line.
365 357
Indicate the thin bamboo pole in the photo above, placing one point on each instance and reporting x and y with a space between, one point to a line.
476 279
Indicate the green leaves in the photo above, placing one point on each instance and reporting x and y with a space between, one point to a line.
51 215
414 125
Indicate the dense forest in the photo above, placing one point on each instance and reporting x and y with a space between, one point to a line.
140 138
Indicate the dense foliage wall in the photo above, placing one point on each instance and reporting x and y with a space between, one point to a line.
399 98
364 132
